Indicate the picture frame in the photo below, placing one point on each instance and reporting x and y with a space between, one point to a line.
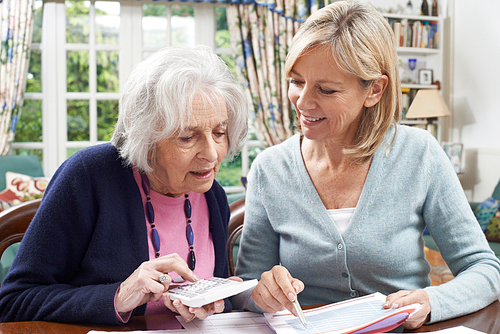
454 153
425 76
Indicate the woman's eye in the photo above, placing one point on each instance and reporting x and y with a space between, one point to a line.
295 82
219 136
187 139
326 92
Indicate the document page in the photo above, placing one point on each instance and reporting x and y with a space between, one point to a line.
228 323
349 316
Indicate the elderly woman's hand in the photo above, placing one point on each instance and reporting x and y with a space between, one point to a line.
277 290
144 286
403 298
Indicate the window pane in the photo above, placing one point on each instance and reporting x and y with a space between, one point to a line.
222 32
37 25
78 120
29 127
77 21
107 22
230 172
34 75
77 71
183 25
154 25
107 71
107 115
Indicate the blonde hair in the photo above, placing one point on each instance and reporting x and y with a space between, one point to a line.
362 44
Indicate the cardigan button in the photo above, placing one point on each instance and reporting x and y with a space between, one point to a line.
340 246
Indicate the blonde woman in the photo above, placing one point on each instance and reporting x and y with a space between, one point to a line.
338 210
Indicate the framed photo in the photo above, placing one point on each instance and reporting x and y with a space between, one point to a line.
454 153
425 76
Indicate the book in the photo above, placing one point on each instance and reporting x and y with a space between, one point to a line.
359 315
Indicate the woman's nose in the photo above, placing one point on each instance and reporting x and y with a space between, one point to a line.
305 99
208 151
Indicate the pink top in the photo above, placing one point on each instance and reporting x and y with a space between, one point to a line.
170 222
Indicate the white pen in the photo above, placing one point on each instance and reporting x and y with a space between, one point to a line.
299 312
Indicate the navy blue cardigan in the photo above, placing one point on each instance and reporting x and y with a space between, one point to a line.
88 236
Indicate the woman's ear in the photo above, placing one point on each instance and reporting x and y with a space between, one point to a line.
376 91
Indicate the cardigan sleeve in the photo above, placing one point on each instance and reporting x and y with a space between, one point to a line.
64 270
461 242
259 245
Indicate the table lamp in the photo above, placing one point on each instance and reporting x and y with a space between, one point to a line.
428 104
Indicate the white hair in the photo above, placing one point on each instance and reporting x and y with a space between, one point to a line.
156 102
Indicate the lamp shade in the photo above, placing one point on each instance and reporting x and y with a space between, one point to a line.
428 104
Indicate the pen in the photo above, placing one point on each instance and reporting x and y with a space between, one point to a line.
300 314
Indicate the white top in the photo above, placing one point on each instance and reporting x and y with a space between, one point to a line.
341 217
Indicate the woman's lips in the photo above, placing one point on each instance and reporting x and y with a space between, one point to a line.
311 120
203 174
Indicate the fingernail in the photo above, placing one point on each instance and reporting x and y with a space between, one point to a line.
394 306
296 287
195 277
177 302
291 297
293 312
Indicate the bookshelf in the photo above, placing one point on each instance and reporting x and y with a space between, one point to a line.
422 38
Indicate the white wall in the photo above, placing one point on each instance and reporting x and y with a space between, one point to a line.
475 87
476 93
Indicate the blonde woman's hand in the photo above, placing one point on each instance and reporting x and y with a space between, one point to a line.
277 290
404 298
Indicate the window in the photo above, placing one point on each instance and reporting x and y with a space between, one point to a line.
89 49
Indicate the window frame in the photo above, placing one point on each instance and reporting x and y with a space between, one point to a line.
54 96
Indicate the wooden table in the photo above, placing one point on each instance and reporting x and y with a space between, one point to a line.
487 320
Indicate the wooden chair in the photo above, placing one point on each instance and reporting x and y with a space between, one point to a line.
14 222
235 228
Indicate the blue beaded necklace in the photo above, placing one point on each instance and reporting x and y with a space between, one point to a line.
150 213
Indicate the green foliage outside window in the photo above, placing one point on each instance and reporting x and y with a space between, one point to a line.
77 66
78 120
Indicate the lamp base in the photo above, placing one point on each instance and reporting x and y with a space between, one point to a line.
431 127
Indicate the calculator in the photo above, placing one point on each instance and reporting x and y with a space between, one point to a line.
209 290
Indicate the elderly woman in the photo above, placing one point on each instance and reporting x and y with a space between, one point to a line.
356 190
113 222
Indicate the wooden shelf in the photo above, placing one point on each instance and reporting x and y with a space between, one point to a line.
412 17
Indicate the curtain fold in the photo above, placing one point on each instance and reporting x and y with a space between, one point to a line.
16 30
260 37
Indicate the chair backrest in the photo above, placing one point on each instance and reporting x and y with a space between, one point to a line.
22 164
14 222
235 228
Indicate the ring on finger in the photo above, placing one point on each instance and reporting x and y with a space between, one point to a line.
164 278
192 318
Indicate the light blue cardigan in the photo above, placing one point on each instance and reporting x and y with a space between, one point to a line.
409 187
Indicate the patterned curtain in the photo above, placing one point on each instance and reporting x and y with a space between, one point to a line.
16 30
261 34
